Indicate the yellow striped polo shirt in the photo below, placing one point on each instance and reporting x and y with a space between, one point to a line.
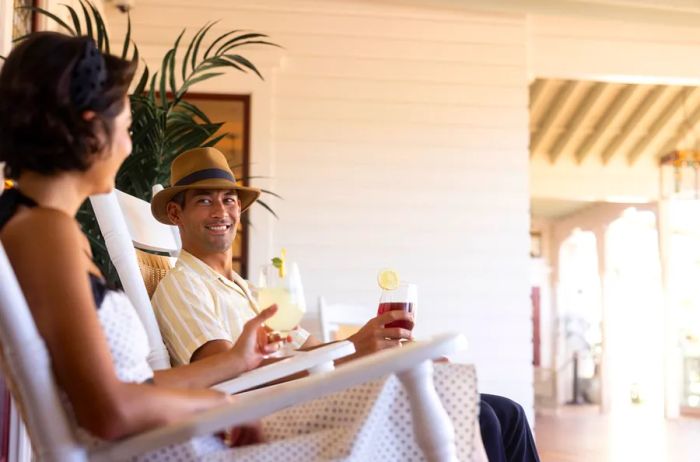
194 305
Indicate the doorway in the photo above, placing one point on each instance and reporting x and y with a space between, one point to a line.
233 111
634 319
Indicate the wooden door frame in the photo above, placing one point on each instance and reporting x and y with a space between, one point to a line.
246 100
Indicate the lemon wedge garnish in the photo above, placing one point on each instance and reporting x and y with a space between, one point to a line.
388 279
281 263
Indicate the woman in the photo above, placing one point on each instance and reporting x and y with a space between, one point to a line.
64 132
64 126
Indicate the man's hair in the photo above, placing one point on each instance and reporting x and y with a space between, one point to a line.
179 198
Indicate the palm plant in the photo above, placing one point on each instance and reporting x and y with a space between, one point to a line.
164 124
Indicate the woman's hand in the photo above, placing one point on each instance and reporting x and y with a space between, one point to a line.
256 340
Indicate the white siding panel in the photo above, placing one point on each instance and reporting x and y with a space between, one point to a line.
605 49
306 152
365 47
397 91
293 108
332 18
421 70
400 134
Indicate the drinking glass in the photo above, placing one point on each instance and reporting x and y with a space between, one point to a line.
283 289
404 298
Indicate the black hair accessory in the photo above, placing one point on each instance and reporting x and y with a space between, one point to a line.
88 77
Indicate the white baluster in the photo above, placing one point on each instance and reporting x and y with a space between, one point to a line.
431 424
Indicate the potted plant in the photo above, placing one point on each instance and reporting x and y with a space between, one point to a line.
164 123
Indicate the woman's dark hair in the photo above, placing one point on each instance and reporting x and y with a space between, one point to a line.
42 128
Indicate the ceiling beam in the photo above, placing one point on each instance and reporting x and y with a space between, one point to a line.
552 112
605 121
536 91
660 123
689 125
574 124
631 124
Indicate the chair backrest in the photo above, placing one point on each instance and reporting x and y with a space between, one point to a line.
125 222
146 232
27 368
341 319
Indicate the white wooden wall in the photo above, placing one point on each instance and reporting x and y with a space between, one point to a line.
398 137
401 141
5 27
615 48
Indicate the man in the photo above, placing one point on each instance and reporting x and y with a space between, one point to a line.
202 304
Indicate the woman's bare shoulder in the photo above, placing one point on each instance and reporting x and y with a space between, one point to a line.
41 222
42 231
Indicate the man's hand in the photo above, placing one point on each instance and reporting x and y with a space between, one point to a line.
374 336
255 341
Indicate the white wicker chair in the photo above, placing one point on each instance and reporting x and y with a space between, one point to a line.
126 221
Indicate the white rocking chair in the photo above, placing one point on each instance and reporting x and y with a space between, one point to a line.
26 364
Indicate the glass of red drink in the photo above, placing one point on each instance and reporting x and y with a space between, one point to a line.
404 298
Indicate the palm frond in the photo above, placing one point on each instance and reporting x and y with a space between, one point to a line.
88 20
268 208
197 42
169 56
102 34
141 86
200 78
267 191
75 19
228 44
190 49
245 63
171 69
127 39
219 39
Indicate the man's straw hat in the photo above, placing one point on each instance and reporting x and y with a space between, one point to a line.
201 168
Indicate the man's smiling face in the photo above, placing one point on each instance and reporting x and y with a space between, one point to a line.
208 220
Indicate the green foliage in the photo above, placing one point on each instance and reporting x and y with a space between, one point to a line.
164 124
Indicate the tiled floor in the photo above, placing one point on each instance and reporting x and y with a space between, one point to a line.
582 434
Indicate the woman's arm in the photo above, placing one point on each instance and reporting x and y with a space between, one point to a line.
45 249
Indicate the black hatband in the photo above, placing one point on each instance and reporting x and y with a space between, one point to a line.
206 174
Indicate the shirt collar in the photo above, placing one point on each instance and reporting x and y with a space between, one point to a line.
192 263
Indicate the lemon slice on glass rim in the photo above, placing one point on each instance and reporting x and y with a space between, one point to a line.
388 279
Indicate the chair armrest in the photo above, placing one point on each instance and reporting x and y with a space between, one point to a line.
260 403
301 361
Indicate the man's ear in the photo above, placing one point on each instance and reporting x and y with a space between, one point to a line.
173 211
